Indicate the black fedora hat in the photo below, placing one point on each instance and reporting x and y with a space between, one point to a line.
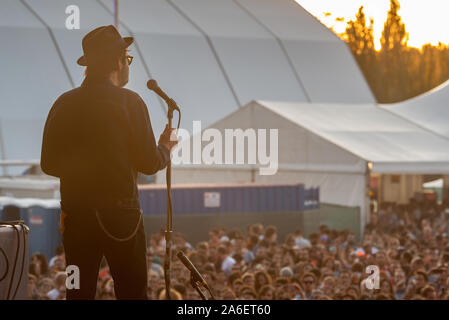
102 41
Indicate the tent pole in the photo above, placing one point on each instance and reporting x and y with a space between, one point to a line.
365 216
116 20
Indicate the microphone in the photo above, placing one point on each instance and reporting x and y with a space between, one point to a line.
153 86
189 265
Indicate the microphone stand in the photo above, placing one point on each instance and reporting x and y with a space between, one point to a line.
195 285
152 85
196 282
169 227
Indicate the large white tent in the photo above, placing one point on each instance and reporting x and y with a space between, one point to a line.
212 57
429 110
333 146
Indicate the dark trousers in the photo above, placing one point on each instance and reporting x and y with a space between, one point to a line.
85 244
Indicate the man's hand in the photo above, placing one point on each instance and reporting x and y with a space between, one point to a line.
168 138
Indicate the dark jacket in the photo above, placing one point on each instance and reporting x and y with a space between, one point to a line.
96 138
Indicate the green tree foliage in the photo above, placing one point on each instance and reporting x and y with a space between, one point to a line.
396 72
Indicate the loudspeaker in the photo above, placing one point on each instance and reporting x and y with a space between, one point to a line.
13 260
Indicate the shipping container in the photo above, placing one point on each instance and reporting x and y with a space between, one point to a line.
196 209
228 198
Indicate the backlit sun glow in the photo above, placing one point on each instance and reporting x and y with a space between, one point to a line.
425 21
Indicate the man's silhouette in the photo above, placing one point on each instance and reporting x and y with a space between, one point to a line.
97 138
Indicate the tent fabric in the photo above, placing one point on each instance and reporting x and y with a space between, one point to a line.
391 143
211 57
304 157
27 57
330 146
429 110
313 50
29 202
251 57
288 20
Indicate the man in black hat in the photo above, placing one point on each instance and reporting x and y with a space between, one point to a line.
96 139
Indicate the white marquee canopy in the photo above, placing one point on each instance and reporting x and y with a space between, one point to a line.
429 110
333 146
212 57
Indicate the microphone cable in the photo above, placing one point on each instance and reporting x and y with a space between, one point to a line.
7 265
23 227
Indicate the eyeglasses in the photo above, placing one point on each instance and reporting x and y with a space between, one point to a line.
130 59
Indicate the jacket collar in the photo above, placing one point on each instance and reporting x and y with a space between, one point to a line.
94 81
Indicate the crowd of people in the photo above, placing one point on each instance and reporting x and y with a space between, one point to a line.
403 254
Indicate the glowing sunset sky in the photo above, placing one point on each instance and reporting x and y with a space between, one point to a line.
425 21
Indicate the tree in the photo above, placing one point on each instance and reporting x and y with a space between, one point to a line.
394 36
396 72
360 39
360 36
393 57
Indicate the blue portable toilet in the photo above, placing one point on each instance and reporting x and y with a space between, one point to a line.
42 218
44 235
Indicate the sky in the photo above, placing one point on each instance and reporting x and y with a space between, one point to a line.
426 21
